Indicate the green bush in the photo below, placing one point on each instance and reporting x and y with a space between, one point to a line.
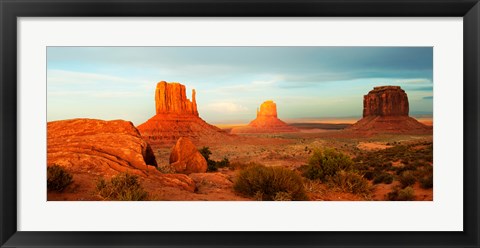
398 194
327 163
205 151
213 165
122 187
407 178
58 178
270 183
349 181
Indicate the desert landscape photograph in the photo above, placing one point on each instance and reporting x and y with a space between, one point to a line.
239 124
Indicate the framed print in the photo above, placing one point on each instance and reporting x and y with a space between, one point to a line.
223 123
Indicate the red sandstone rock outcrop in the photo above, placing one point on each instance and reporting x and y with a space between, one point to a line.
266 121
97 145
90 149
385 110
186 159
176 117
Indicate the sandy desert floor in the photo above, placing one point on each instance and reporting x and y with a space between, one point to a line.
292 150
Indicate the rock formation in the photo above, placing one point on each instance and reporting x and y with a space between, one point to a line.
90 149
186 159
266 121
385 110
98 144
385 101
176 116
171 99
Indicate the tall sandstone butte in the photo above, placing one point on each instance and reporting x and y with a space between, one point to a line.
385 101
385 110
177 116
266 121
170 98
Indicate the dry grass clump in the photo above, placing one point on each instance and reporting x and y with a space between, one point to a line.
122 187
58 178
270 183
351 182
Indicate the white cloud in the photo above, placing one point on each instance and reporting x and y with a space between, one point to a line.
413 81
226 107
255 85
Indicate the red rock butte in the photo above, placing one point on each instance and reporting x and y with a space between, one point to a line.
385 110
176 116
266 121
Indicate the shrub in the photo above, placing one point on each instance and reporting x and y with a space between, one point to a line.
205 151
351 182
369 175
425 176
213 165
383 177
270 183
407 178
327 163
166 169
426 182
122 187
397 194
58 178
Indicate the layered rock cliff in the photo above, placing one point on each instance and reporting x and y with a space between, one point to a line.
177 116
385 110
266 121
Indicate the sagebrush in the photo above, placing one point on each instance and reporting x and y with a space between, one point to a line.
326 163
58 178
270 183
122 187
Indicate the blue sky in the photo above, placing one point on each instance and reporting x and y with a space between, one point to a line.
231 82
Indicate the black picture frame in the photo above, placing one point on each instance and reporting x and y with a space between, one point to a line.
10 10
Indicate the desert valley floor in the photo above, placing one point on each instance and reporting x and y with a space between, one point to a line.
289 150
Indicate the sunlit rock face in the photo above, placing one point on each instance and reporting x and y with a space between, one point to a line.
266 121
170 98
185 158
267 109
177 116
385 110
91 149
106 146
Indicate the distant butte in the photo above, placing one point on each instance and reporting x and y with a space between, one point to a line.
176 117
266 121
385 110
